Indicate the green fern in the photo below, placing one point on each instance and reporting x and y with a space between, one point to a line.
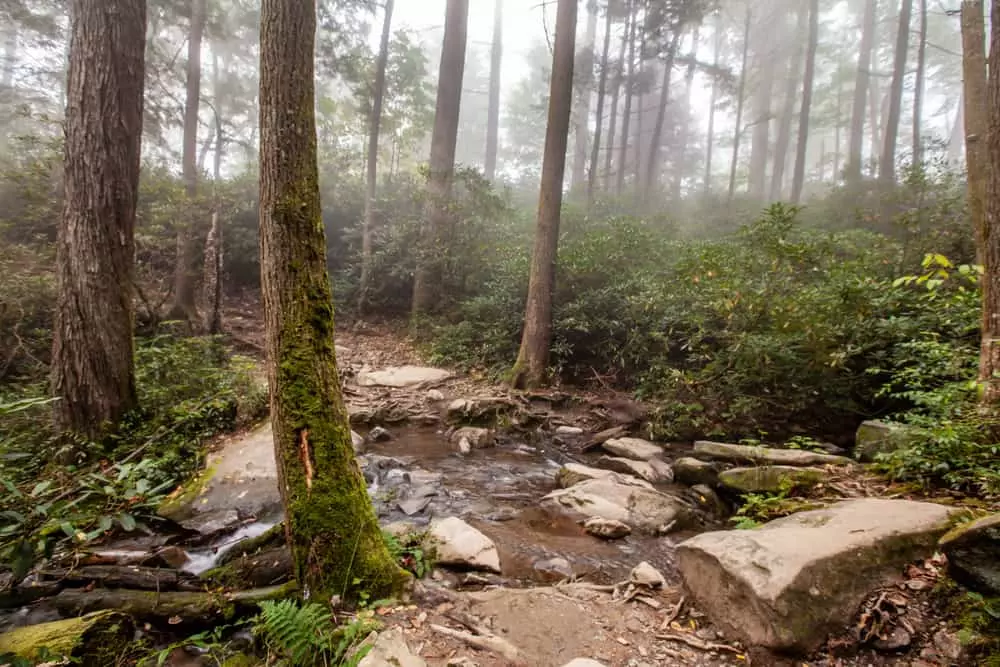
301 634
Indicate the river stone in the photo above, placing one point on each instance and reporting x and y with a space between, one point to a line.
707 499
787 584
357 442
553 569
390 650
770 479
569 430
606 529
636 449
459 544
653 471
645 574
641 507
973 551
402 376
477 438
574 473
877 437
718 451
692 471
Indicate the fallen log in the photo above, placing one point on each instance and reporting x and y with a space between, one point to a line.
17 596
599 439
271 538
125 576
269 567
95 640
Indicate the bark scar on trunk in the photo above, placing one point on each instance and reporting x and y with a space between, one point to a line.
306 456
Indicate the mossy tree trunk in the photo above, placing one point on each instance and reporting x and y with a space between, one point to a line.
531 367
335 538
92 355
989 360
974 100
602 85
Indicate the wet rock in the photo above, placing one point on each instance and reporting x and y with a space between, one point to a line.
641 507
719 451
434 395
770 479
689 470
213 523
898 640
606 529
554 569
788 583
645 574
457 543
477 408
379 434
174 557
357 442
636 449
472 437
877 437
390 650
653 471
569 430
708 500
973 551
402 376
417 500
574 473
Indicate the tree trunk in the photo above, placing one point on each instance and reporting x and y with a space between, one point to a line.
493 113
784 139
861 88
595 148
760 140
887 163
212 281
428 275
956 136
531 367
92 353
873 110
738 131
710 137
807 91
975 98
627 112
836 128
186 266
371 177
619 77
918 86
681 163
654 144
332 530
585 75
989 364
638 166
100 638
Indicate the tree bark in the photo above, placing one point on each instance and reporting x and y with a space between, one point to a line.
784 139
371 176
585 75
186 266
710 136
861 88
619 77
685 131
331 527
653 161
595 148
428 275
887 163
989 363
531 368
212 280
873 110
627 112
918 86
101 638
493 113
93 372
738 131
760 139
798 178
975 100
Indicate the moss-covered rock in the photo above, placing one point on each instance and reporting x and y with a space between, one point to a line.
973 551
692 471
95 640
770 479
878 437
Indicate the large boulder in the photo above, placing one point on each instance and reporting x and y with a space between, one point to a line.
692 471
720 451
770 479
878 437
458 544
973 551
636 449
653 471
402 376
787 584
574 473
641 507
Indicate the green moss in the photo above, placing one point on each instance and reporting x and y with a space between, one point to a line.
98 639
175 507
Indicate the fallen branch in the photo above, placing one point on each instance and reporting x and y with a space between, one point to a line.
486 641
673 614
599 439
697 643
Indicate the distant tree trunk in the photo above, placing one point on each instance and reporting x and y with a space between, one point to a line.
861 86
212 282
887 166
653 164
807 91
956 136
186 266
493 112
679 172
918 86
710 135
619 77
595 149
531 368
836 128
738 131
428 276
640 114
976 98
585 75
760 139
627 112
989 366
876 149
371 178
336 543
93 371
784 139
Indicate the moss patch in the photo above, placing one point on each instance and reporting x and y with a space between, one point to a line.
97 639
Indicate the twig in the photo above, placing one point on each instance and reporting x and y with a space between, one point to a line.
673 614
699 644
485 641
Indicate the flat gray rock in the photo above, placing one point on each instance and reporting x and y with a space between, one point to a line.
770 479
720 451
402 376
634 503
653 471
636 449
459 544
390 650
